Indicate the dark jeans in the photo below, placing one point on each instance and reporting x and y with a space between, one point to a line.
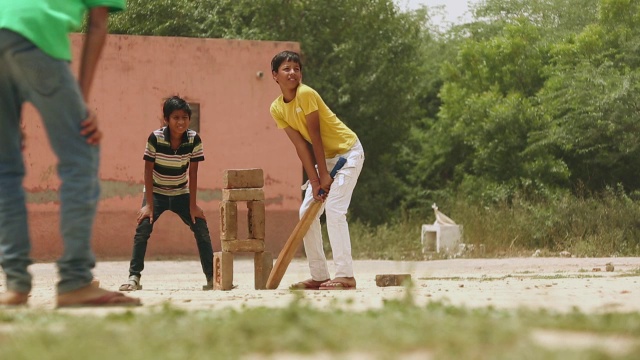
180 205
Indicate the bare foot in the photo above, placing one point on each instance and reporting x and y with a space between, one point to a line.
95 282
13 298
95 296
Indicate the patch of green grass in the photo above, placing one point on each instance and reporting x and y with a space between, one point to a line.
629 273
399 327
562 275
602 225
397 240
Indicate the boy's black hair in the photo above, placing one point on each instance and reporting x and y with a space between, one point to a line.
175 103
285 56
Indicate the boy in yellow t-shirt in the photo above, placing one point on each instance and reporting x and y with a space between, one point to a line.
306 119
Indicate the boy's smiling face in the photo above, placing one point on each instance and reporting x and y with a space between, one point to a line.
289 75
178 122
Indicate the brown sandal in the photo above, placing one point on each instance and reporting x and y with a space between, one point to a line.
13 299
308 284
111 298
339 284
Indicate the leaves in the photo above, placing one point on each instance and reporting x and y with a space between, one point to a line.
530 97
362 56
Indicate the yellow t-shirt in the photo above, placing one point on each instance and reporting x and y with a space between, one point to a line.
337 138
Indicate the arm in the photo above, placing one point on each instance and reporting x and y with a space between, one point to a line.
147 210
313 125
194 209
91 50
306 157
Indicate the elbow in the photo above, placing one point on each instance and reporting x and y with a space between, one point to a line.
98 20
97 27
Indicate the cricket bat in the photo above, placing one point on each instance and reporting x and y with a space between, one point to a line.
292 244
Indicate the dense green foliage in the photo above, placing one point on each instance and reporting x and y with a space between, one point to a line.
362 68
539 99
532 101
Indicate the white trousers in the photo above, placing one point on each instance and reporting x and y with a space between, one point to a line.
335 206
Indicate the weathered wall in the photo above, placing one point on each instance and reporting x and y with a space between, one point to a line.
136 73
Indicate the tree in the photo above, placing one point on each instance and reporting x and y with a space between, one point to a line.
490 139
593 99
361 55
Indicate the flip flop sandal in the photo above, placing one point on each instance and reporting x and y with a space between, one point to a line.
8 303
131 285
336 285
110 299
308 284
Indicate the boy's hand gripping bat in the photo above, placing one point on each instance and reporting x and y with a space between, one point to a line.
290 247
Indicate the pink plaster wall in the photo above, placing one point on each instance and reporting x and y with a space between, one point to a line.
136 73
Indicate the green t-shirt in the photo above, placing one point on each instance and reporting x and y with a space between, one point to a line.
47 23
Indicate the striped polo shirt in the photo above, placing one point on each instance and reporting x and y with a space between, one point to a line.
170 166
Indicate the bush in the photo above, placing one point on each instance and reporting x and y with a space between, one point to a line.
604 224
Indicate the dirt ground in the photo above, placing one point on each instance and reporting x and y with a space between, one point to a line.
559 284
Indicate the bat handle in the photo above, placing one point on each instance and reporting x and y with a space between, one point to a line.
334 171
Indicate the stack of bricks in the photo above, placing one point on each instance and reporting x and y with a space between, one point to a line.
244 185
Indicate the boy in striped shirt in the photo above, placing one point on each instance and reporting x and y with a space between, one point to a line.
172 152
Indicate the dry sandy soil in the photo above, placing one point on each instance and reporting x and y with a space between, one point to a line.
559 284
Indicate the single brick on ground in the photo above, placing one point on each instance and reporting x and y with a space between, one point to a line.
393 280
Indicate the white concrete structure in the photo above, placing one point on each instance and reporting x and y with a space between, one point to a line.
438 237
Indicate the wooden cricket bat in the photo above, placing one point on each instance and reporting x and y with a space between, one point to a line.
292 244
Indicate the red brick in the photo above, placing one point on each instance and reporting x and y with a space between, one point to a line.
243 178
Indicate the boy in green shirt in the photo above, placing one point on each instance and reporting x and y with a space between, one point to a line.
34 57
